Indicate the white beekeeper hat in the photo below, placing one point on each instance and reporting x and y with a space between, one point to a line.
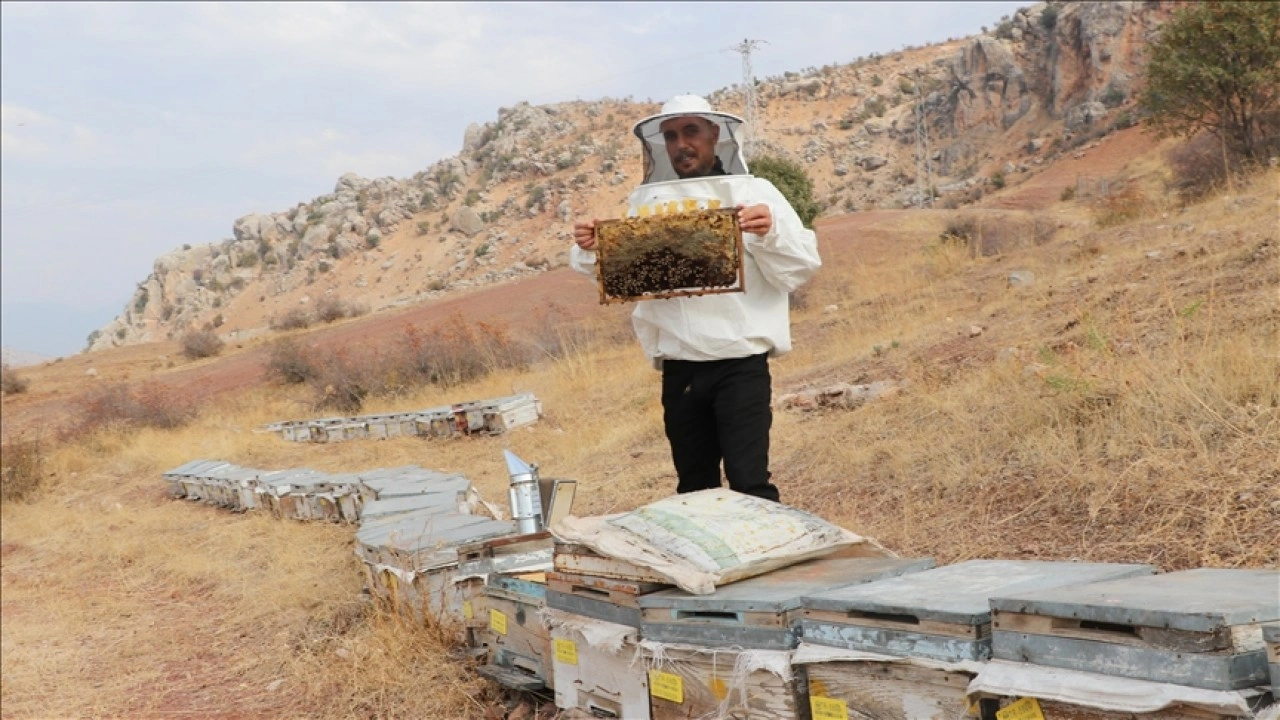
658 165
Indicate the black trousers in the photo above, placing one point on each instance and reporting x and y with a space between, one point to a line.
718 411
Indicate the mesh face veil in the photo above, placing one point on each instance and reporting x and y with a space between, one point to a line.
657 165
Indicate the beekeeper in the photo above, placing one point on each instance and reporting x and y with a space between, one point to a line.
713 350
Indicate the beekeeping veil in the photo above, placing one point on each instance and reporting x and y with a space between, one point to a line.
657 166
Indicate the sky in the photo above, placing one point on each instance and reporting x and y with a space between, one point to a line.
130 129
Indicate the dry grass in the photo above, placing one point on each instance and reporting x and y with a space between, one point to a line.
1125 407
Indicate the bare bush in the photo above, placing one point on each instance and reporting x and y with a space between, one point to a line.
147 405
330 308
11 383
1198 167
201 344
21 468
288 363
556 335
1120 207
295 319
342 380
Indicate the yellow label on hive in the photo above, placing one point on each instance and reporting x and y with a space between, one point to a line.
566 651
666 686
497 622
825 708
467 612
818 688
1024 709
718 688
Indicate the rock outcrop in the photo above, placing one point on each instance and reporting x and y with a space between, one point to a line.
502 206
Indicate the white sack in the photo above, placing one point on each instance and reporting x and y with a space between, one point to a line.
712 537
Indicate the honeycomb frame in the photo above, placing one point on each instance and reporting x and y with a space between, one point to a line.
680 254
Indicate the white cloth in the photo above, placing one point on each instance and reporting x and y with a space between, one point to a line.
725 325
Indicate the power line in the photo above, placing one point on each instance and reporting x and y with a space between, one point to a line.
749 135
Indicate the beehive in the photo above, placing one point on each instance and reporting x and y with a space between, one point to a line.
761 612
1201 628
1022 690
696 252
1271 636
597 666
688 681
507 623
941 613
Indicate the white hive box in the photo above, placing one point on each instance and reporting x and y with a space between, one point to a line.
597 666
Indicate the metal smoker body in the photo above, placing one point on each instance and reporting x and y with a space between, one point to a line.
526 501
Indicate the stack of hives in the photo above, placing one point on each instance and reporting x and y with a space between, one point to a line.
841 636
491 417
298 493
504 583
414 521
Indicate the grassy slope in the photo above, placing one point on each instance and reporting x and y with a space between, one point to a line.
1125 406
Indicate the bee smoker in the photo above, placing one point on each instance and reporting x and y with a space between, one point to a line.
526 499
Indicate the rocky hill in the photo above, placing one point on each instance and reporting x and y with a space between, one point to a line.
934 125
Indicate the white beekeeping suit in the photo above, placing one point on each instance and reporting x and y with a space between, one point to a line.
728 325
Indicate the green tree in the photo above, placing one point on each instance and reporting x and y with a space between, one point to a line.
792 181
1216 67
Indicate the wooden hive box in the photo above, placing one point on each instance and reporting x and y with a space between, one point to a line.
174 478
517 642
676 254
1201 628
597 667
761 612
607 599
855 684
1021 690
508 413
575 559
1271 636
688 681
941 613
506 554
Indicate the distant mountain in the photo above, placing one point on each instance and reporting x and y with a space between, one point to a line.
49 329
18 358
984 110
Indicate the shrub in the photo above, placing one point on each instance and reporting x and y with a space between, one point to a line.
1120 207
1068 193
148 405
997 180
11 383
288 363
1113 97
424 227
21 469
473 197
1049 17
140 303
295 319
201 344
792 181
1197 167
330 308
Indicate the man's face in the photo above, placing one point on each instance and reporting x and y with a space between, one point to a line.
691 144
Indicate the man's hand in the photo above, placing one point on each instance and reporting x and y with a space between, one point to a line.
756 219
584 234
